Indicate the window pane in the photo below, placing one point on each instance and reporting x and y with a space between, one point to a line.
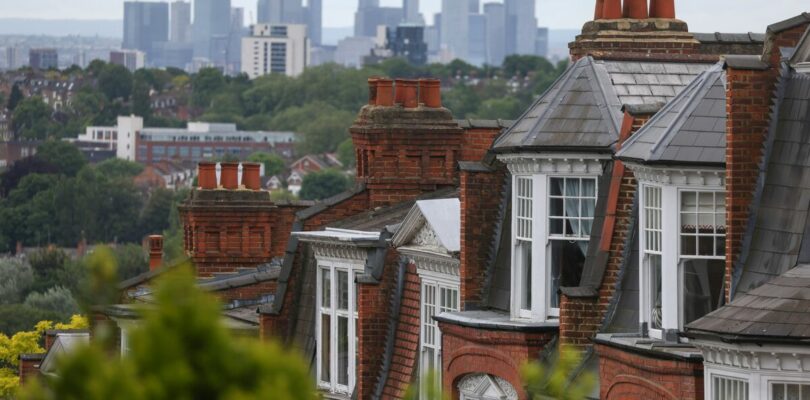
654 268
342 290
702 287
589 188
343 350
325 346
567 260
555 226
556 208
326 289
557 185
524 264
793 392
778 392
572 187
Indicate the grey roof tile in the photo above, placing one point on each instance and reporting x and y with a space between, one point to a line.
582 109
689 129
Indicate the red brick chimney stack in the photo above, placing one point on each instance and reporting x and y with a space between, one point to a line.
207 175
662 9
229 175
636 9
250 176
155 252
406 92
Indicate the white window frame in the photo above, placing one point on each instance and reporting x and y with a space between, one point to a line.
735 391
648 250
671 258
541 241
352 271
439 284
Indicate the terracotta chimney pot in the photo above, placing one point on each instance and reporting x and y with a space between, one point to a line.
385 92
207 175
636 9
406 93
430 92
155 251
662 9
372 91
250 176
612 9
229 175
600 6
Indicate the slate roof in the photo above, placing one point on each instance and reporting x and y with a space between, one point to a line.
740 38
690 129
780 208
582 109
775 311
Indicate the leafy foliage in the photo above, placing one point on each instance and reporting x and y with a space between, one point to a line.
179 351
26 342
323 184
345 153
32 118
561 379
273 163
16 278
57 299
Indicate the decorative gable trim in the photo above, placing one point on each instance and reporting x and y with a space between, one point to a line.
522 164
339 252
430 262
673 176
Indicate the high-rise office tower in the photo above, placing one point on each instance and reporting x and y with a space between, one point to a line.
410 8
368 4
475 6
180 31
521 24
455 28
212 25
275 49
541 43
237 32
314 13
495 14
477 50
280 12
145 25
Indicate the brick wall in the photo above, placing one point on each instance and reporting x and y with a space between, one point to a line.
477 142
480 198
29 367
581 317
629 376
651 38
405 360
749 97
468 350
374 312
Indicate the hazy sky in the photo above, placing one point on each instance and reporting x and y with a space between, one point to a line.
702 15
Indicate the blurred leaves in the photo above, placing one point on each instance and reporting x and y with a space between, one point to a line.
179 350
559 380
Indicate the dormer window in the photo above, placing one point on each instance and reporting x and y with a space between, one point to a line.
682 233
553 209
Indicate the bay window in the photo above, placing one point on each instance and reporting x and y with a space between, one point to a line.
553 219
682 242
437 298
336 327
790 391
727 388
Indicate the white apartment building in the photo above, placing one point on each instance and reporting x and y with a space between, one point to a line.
275 49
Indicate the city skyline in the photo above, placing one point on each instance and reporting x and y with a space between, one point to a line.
555 14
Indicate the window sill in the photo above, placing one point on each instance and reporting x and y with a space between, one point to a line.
635 343
496 320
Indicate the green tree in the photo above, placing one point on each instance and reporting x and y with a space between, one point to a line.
31 118
66 157
323 184
131 259
115 81
155 216
141 104
180 350
14 98
560 378
118 168
205 84
273 163
345 153
16 278
57 299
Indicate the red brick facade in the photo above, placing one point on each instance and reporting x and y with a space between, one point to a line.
29 367
625 375
749 97
480 198
468 350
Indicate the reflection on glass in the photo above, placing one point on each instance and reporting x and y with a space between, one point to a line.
567 261
325 350
654 266
342 290
702 287
343 350
524 260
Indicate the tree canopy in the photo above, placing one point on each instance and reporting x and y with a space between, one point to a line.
323 184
